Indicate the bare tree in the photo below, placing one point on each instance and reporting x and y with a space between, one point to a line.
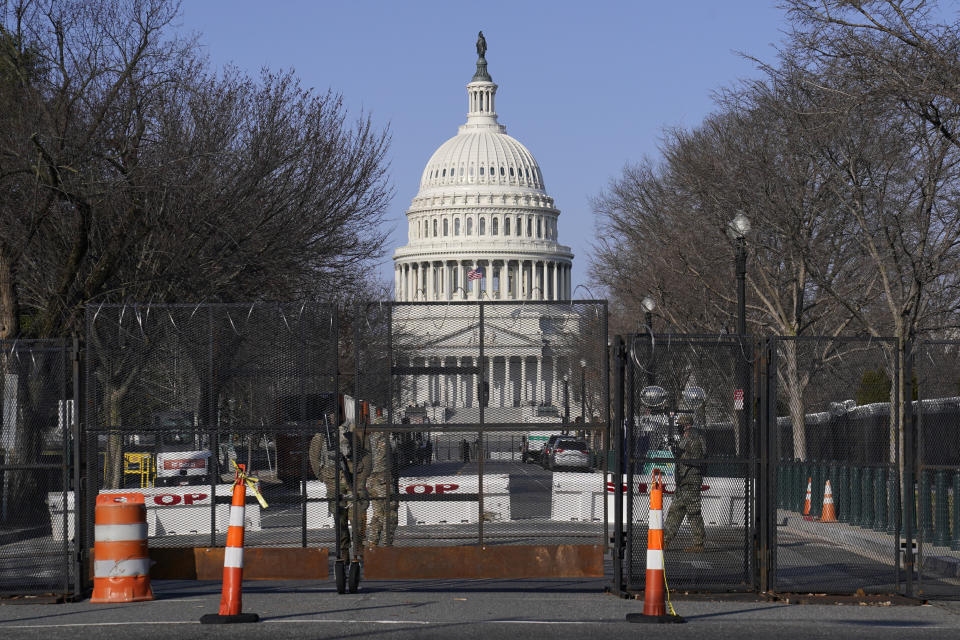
133 172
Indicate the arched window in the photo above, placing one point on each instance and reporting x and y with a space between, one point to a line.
530 227
495 227
483 226
501 171
481 170
519 226
511 172
461 170
471 172
506 226
444 173
446 227
456 226
469 226
492 171
539 229
434 228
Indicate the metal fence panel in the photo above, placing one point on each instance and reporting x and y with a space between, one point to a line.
470 393
706 380
178 394
936 413
37 513
835 430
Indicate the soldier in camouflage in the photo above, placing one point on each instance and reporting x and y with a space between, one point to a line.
358 465
689 478
381 491
323 460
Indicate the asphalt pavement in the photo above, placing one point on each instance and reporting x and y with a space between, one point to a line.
487 609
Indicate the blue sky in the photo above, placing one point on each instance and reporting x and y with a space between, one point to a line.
587 86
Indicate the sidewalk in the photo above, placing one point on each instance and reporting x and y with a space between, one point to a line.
939 561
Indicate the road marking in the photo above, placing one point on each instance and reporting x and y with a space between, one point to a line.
296 620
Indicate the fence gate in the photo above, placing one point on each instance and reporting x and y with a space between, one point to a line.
471 393
661 382
37 390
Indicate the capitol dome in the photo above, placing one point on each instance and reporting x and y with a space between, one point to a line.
481 157
482 225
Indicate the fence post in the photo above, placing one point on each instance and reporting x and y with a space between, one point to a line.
940 526
926 506
866 515
816 495
955 540
880 499
843 493
894 521
856 495
616 432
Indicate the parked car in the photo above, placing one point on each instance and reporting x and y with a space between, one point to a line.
569 453
548 446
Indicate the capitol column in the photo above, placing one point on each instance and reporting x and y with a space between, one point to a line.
488 275
523 380
462 279
475 284
546 291
428 277
504 278
448 271
556 280
541 387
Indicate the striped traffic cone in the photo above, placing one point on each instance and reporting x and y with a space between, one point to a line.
654 606
121 560
829 513
806 502
231 600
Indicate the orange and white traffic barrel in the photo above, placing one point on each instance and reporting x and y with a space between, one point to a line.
654 604
121 559
231 606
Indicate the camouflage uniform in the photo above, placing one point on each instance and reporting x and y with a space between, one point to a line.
686 498
323 461
381 491
356 505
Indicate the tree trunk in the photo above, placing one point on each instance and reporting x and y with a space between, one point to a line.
113 464
794 390
9 309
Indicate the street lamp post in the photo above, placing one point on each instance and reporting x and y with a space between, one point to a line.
648 304
739 228
566 401
583 390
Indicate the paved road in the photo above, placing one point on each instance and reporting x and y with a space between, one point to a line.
464 610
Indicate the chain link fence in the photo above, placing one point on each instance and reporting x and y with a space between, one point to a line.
936 413
37 427
496 414
838 470
689 398
179 394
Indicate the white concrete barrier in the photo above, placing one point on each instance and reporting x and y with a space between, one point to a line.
496 496
580 497
170 510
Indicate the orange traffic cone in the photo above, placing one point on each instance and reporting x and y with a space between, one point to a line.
121 561
806 502
230 600
829 510
654 607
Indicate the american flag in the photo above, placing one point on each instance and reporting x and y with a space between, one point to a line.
475 274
